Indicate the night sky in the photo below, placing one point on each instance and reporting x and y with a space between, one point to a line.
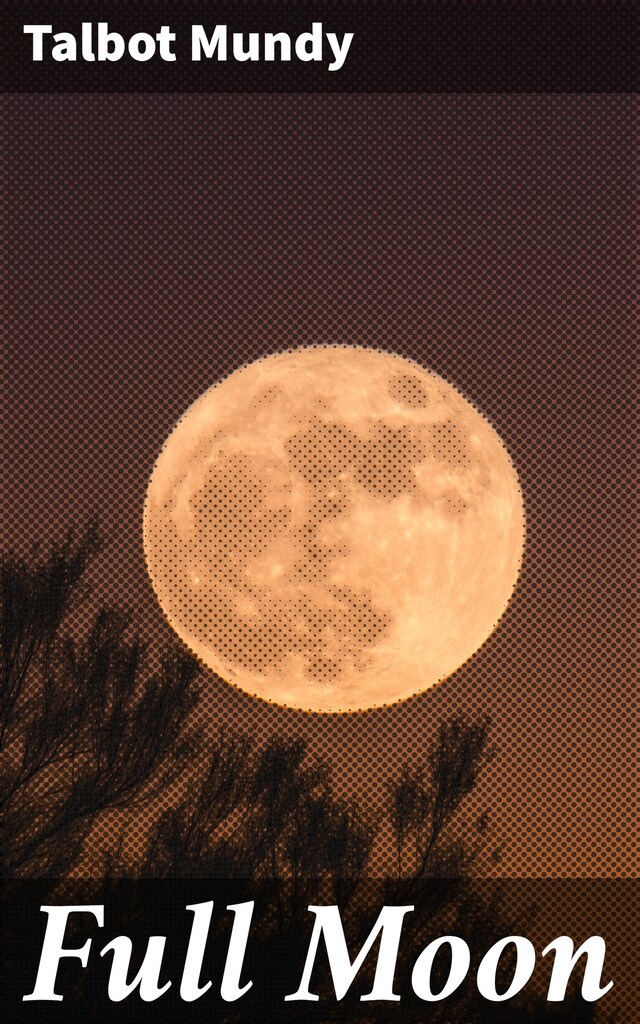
156 243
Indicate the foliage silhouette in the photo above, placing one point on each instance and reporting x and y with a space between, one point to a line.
85 726
88 728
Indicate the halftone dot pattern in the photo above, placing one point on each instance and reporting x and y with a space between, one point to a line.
333 528
159 242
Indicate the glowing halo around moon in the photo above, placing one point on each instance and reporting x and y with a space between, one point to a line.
333 528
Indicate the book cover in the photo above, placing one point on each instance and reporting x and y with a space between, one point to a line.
319 696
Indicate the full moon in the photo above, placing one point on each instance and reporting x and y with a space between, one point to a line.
333 528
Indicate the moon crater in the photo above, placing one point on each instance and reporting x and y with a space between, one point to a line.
333 528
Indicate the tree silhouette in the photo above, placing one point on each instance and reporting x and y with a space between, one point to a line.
85 726
424 801
88 727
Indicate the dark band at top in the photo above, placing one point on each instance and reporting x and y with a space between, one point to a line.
312 47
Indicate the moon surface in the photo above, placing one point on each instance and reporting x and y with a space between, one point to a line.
333 528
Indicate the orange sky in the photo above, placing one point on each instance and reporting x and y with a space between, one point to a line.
158 242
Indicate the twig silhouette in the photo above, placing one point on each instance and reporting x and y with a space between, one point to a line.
85 726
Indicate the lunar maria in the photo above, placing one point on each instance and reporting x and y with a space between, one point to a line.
333 528
385 936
